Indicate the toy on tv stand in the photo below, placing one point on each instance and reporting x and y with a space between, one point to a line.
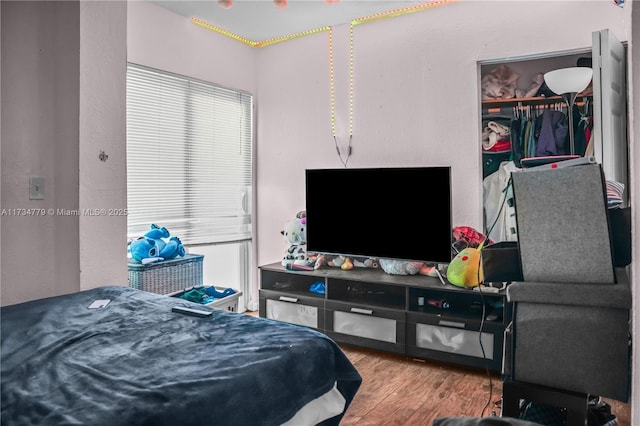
465 268
346 262
404 267
298 259
295 232
460 234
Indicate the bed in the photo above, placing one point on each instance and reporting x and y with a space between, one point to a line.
71 360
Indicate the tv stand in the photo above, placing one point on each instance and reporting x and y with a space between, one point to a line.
412 315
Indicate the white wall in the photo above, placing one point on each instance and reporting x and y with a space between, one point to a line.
62 103
40 110
102 153
160 39
0 158
416 98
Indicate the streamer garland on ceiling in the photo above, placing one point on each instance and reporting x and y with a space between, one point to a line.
363 20
332 96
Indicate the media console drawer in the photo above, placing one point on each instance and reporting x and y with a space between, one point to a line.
447 338
363 325
292 308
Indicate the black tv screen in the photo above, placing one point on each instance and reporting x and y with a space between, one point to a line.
399 213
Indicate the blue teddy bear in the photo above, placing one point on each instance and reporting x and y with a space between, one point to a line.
156 245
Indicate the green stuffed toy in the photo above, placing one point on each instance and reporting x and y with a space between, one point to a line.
464 270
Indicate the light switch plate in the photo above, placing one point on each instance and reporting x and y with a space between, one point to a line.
36 188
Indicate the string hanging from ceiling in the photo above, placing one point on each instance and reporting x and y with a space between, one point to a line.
332 89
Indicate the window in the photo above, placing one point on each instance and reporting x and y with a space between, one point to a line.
189 158
189 169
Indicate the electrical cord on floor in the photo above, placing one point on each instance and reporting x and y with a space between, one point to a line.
484 355
484 304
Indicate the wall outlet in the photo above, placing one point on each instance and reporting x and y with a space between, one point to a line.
36 188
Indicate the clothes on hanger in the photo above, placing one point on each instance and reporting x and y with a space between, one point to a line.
554 129
499 209
543 130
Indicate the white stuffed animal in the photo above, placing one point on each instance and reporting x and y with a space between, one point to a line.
295 232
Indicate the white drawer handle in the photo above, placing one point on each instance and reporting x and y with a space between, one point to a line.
362 311
289 299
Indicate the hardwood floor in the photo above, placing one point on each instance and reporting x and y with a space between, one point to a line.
397 390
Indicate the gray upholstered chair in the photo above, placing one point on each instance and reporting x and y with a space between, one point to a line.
570 331
567 341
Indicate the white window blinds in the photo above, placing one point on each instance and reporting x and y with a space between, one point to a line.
189 158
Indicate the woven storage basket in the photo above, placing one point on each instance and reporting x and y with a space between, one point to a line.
167 276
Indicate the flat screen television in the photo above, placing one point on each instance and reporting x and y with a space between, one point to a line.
401 213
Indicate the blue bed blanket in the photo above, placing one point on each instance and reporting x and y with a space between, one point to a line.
135 362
